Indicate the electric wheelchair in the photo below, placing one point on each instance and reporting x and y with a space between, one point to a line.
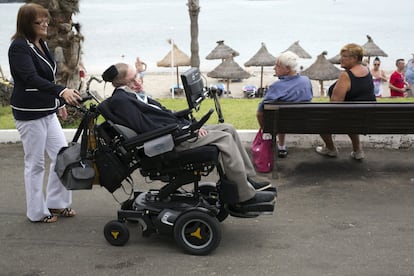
191 217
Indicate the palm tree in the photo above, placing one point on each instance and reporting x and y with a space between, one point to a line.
194 10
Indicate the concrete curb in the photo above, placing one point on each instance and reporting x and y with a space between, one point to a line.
292 140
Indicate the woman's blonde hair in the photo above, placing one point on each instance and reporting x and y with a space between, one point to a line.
354 50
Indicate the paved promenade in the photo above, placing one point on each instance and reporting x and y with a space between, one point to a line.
334 217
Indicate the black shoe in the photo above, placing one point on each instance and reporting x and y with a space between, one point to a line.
282 153
262 185
262 202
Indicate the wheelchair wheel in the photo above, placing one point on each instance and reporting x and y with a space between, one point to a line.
116 233
197 233
207 191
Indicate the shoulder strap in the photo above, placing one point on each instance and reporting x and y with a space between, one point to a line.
83 129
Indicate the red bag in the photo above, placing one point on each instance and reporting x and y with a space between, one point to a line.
262 153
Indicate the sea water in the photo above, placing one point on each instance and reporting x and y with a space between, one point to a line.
122 30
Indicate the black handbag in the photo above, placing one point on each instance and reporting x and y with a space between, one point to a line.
112 171
73 167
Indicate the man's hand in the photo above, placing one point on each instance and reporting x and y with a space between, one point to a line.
202 132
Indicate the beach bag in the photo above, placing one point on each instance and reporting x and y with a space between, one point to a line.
75 172
262 153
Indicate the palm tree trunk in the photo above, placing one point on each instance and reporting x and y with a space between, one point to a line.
194 10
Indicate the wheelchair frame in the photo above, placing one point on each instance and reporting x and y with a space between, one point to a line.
192 218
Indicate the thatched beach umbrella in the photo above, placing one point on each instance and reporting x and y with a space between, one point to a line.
228 70
221 51
298 50
175 58
322 70
372 50
336 59
261 58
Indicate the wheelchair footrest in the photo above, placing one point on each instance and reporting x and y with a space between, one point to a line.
251 210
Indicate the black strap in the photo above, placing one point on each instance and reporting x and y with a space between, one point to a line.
83 129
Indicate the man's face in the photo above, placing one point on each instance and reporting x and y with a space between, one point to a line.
401 65
281 70
132 79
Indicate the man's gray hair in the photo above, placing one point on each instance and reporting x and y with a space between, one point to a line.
288 59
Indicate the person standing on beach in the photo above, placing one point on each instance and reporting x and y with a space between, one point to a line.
354 84
291 87
409 75
35 100
397 82
378 77
141 68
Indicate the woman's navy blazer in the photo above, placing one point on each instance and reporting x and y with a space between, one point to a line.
35 93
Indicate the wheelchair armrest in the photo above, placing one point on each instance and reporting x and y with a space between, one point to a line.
193 128
197 125
183 113
150 135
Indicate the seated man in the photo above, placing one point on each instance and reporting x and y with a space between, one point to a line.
291 87
143 114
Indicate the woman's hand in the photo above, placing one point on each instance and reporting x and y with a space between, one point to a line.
63 113
71 96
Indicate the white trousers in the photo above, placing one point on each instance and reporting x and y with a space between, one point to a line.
40 136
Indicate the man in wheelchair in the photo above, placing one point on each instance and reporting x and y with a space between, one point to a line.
142 114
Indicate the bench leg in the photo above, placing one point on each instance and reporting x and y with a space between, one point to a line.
275 172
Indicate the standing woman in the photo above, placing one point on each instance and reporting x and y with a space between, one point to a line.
378 77
35 100
354 84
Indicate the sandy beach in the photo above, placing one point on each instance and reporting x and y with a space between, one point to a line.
158 84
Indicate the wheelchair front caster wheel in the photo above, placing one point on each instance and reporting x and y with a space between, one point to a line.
197 233
116 233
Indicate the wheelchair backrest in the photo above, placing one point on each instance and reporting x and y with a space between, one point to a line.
193 87
113 123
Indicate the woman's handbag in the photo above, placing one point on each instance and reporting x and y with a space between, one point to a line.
75 172
73 167
262 153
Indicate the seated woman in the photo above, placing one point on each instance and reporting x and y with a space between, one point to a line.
143 114
354 84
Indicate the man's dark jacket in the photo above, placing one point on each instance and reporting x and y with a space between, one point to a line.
139 116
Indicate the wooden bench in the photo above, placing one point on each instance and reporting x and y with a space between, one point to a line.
338 118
